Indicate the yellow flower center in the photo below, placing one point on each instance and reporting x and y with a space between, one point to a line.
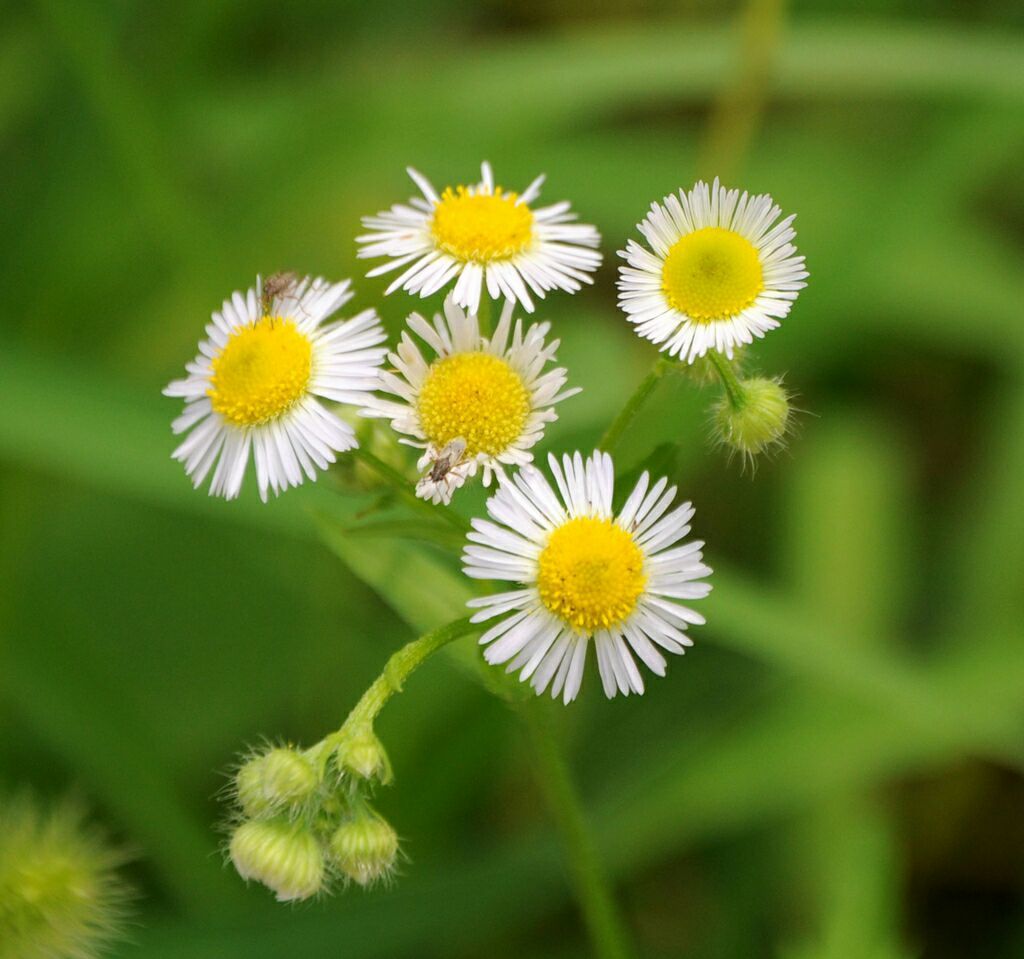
712 274
261 373
481 227
475 396
591 574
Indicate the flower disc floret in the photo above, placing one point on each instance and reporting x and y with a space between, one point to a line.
481 227
477 397
712 274
591 574
261 373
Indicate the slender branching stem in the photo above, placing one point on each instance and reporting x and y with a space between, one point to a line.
392 678
634 404
593 891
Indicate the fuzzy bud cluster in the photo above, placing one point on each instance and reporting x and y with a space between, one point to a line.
60 892
304 817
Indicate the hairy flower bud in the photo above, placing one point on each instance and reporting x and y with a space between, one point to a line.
361 752
759 422
365 848
283 855
60 894
279 779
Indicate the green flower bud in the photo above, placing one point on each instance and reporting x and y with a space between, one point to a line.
758 423
365 848
361 752
279 779
60 894
283 855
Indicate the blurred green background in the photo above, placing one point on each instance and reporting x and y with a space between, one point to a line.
834 771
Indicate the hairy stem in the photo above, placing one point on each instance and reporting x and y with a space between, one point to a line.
605 926
733 387
396 671
634 404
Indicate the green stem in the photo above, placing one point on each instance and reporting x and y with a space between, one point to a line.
400 666
733 387
403 487
739 105
483 314
634 404
605 925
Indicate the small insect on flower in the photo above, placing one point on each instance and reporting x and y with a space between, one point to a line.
258 384
482 402
587 576
60 893
480 236
440 480
720 271
275 286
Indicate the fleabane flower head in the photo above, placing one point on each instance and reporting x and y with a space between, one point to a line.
481 236
257 386
587 576
720 271
478 402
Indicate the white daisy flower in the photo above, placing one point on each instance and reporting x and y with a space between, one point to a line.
480 402
479 235
258 381
587 576
720 271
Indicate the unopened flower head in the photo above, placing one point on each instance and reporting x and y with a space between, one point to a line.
60 894
284 856
481 237
720 271
279 779
586 576
759 423
362 753
364 848
480 402
258 384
